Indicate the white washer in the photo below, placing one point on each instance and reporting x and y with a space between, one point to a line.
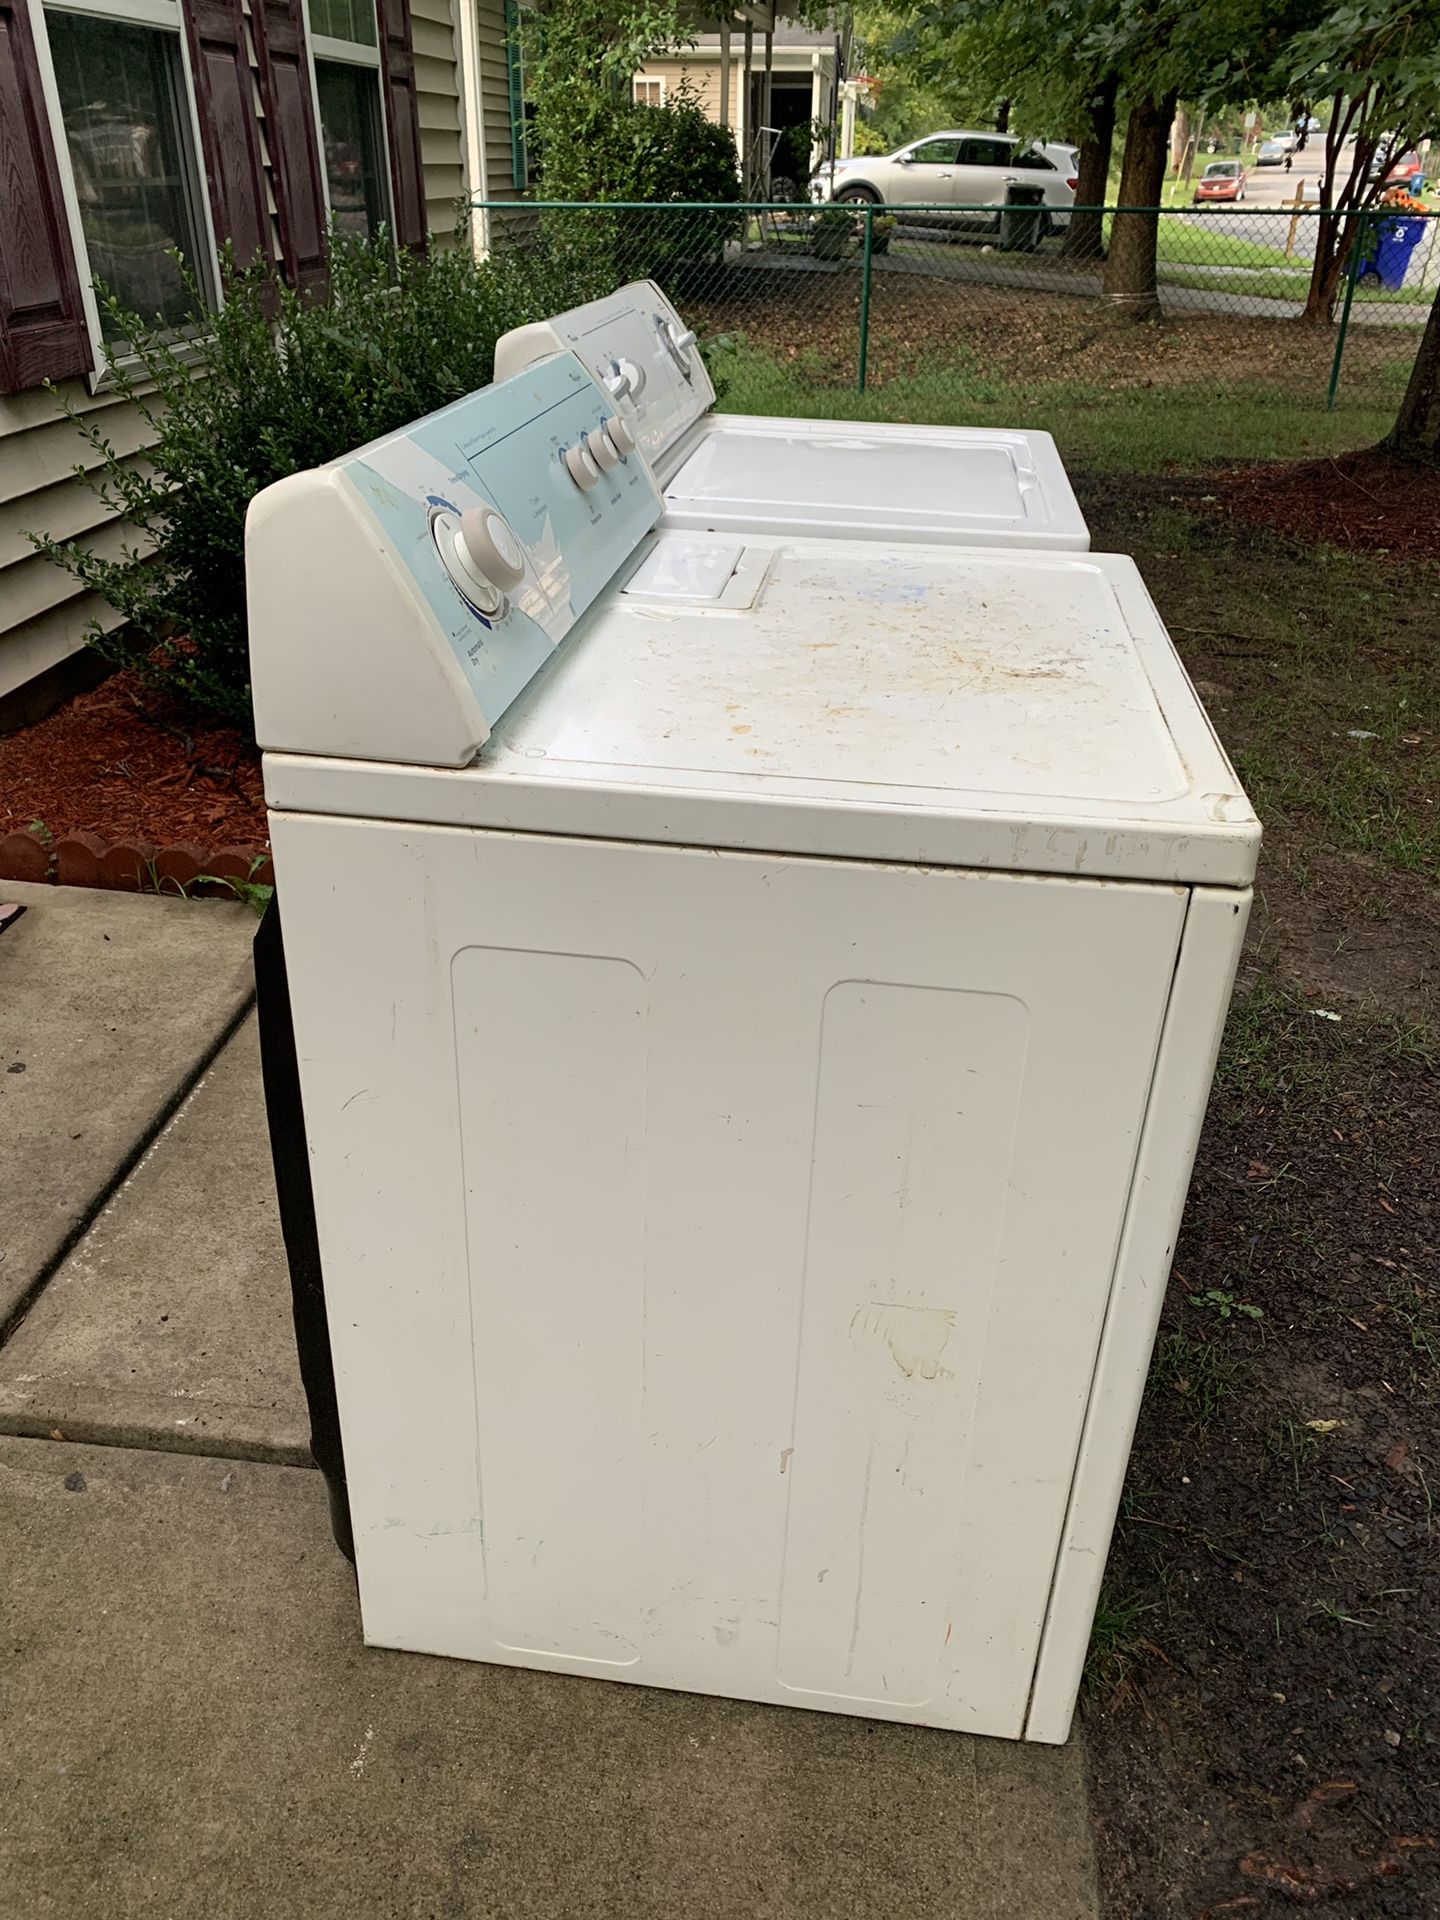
752 1059
976 486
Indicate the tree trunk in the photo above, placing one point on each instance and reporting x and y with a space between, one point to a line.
1130 290
1002 117
1416 433
1085 235
1179 137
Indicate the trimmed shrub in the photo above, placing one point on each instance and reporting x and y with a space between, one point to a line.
277 383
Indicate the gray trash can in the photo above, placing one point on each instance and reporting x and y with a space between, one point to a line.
1022 219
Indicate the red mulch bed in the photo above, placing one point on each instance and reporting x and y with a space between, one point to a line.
129 792
1363 501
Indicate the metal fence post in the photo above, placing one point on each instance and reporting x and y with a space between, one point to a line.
1352 274
863 368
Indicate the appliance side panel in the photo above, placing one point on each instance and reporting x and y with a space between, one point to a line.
919 1089
364 929
1194 1026
551 1074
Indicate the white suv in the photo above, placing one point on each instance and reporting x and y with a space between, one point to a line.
971 172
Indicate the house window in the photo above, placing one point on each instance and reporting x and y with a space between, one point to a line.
649 90
345 47
128 133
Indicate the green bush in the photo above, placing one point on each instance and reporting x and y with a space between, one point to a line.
278 383
599 146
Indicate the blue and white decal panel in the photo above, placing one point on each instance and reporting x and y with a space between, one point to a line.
504 448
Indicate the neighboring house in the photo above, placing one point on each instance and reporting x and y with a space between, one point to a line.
131 127
783 81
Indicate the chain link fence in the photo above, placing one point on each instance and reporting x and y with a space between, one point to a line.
995 316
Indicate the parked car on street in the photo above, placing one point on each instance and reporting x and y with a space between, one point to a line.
971 172
1407 168
1272 153
1221 180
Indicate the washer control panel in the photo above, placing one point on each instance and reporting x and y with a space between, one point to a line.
509 511
645 358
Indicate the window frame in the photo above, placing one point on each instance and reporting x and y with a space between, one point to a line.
164 16
1003 141
647 80
353 53
913 154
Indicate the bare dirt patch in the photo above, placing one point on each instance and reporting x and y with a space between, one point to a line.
1025 336
1360 502
1262 1717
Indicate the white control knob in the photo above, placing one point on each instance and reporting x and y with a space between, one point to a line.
625 378
490 547
677 342
602 450
617 432
581 467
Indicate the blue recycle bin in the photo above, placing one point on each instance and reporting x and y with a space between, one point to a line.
1397 238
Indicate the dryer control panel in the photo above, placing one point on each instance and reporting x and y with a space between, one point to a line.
645 358
402 597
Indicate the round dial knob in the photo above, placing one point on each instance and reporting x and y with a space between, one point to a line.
617 432
677 342
603 450
490 546
623 378
581 467
481 556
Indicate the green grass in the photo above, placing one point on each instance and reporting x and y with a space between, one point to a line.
1191 244
1280 1051
1104 428
1200 1374
1115 1639
1278 284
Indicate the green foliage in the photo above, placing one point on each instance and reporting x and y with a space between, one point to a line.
1225 1305
274 390
596 144
610 149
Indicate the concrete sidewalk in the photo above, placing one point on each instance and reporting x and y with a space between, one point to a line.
110 1005
192 1728
189 1721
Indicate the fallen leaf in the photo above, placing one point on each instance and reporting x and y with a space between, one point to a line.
1396 1457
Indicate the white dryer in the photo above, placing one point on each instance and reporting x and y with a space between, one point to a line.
974 486
755 1002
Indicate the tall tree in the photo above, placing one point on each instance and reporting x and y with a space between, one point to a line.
1085 234
1416 433
1131 284
1377 62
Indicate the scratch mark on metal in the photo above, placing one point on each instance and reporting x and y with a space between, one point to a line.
860 1561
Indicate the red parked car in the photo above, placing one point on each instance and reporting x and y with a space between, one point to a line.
1221 180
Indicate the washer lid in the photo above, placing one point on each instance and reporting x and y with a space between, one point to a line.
927 705
979 486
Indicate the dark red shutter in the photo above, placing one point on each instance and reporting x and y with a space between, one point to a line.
402 116
43 335
229 132
294 149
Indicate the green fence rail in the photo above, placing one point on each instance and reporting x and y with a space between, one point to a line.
941 312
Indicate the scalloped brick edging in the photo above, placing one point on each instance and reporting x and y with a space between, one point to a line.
130 865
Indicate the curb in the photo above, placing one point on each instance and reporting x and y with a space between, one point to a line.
131 865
